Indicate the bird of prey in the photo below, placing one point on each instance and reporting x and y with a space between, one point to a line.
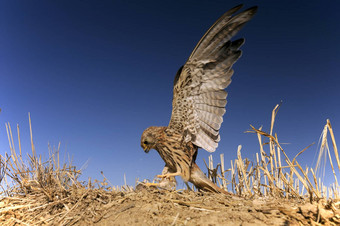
199 100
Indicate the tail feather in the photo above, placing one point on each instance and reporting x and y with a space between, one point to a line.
198 178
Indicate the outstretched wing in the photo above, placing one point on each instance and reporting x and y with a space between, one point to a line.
199 88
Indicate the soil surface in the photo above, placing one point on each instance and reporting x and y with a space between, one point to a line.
147 206
153 206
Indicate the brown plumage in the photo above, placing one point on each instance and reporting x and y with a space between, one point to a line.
179 157
199 101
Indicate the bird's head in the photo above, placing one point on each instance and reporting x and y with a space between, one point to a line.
150 137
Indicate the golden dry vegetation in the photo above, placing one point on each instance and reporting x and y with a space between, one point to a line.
271 189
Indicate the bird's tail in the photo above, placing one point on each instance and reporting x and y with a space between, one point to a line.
198 178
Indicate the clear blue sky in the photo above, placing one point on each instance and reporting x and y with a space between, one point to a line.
95 74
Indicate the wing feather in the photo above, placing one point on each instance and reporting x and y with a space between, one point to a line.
211 109
212 102
199 97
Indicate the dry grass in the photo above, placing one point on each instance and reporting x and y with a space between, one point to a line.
48 192
37 191
272 173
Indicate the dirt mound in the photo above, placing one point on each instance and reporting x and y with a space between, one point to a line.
151 206
156 207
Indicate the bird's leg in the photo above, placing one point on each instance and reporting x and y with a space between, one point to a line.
166 181
168 175
151 184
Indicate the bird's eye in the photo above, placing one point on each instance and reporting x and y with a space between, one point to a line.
145 142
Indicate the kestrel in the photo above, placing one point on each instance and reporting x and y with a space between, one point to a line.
199 100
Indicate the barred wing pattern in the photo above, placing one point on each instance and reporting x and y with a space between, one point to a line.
199 97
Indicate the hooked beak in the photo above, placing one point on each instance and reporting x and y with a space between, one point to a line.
145 148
